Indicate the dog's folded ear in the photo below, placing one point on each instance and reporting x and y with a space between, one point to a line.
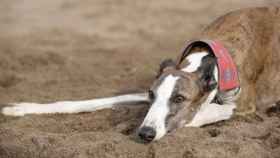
207 73
165 64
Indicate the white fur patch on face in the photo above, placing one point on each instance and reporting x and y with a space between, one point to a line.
159 110
195 61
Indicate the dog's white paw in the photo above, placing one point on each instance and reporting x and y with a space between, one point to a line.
14 111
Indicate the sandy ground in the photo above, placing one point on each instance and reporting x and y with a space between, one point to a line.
72 50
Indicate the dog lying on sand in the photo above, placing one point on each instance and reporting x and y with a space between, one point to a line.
231 69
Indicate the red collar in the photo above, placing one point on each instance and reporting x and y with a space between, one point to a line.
228 75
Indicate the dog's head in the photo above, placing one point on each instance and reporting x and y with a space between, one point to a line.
177 94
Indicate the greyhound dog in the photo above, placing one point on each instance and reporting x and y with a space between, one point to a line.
190 91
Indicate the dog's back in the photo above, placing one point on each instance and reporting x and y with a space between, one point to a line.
253 38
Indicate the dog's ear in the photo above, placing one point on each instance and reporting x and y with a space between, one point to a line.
167 63
207 79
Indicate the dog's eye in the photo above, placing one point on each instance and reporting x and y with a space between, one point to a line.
151 95
178 99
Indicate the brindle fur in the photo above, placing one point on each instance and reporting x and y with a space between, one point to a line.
253 39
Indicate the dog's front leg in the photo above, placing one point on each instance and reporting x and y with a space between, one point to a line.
211 113
20 109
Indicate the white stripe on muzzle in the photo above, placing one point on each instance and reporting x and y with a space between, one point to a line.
159 109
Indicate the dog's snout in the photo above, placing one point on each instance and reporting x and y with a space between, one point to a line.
147 134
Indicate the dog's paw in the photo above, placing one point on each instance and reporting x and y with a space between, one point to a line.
14 111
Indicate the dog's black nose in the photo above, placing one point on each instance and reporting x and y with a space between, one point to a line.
147 133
